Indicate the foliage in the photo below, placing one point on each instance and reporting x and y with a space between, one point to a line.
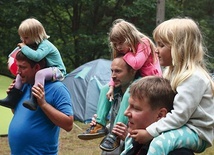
79 29
202 12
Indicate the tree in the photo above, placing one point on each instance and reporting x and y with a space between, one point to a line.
202 12
79 28
160 15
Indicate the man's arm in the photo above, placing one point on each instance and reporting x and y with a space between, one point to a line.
57 117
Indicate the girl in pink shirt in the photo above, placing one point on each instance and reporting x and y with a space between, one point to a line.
139 53
138 50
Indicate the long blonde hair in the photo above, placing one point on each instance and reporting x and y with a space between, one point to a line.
125 32
184 38
32 28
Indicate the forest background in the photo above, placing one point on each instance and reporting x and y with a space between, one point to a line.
79 28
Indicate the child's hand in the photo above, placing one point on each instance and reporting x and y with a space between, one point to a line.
21 44
110 93
93 120
141 136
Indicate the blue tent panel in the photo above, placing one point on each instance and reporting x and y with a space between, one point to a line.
84 84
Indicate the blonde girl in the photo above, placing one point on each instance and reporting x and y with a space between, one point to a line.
191 123
138 50
139 53
36 46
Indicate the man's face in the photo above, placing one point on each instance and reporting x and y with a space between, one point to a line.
26 72
120 73
140 114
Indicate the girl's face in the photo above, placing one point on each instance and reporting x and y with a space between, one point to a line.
122 48
164 54
27 40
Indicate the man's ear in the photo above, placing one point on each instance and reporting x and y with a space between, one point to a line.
162 113
37 67
134 72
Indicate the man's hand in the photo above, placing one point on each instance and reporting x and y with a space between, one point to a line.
141 136
39 93
121 130
10 86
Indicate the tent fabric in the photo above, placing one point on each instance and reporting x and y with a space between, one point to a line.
84 84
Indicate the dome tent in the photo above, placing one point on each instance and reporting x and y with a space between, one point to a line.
84 84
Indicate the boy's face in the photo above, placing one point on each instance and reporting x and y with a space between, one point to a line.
140 114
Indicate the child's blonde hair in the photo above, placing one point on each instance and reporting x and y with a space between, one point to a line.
33 29
125 32
184 38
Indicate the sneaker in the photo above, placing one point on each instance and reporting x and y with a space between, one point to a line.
110 143
93 132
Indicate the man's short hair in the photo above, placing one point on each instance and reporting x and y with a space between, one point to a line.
129 68
21 57
156 90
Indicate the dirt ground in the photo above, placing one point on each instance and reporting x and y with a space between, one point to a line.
71 145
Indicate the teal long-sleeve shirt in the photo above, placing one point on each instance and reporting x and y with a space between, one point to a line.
46 50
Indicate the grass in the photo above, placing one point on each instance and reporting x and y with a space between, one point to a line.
69 143
4 112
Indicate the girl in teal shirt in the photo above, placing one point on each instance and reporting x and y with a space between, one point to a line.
35 46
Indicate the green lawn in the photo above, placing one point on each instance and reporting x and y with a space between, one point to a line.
5 113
